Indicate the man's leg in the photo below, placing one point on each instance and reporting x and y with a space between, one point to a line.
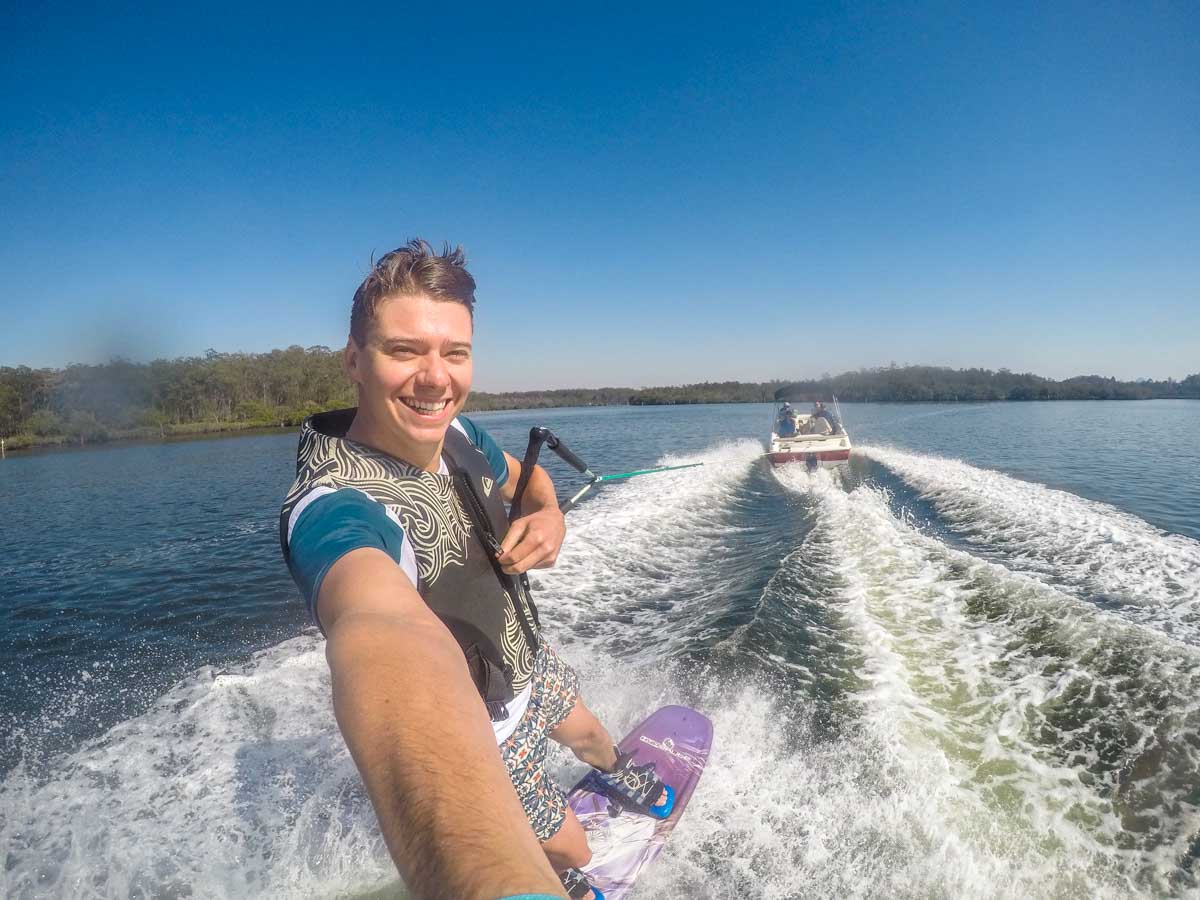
557 829
555 689
582 734
568 848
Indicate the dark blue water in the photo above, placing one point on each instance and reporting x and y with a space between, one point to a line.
128 570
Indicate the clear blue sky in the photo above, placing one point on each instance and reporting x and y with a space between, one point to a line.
647 196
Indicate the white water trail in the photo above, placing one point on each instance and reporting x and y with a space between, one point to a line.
237 782
1089 548
635 549
966 696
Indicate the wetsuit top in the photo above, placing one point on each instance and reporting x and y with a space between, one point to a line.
348 495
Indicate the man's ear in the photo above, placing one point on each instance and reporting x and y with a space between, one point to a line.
351 357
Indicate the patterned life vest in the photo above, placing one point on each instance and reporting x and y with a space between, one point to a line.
454 523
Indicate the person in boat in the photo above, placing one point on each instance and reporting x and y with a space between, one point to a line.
821 414
443 687
785 422
817 425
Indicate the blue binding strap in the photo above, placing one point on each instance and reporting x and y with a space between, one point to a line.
662 810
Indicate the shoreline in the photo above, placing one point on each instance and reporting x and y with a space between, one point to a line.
134 437
27 444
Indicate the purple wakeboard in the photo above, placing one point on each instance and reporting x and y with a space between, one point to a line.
677 740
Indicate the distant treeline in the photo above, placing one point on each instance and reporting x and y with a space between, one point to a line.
901 384
708 392
235 391
215 392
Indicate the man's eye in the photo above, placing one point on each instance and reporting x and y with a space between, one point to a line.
460 354
401 351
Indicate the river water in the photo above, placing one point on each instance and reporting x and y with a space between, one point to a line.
966 665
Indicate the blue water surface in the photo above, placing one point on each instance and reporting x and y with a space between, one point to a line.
126 567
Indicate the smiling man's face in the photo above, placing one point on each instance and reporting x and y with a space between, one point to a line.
413 376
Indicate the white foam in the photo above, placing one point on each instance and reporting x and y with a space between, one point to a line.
636 547
1090 548
237 783
965 689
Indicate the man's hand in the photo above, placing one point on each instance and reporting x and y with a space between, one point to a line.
533 541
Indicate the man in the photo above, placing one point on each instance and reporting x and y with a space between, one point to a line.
396 534
829 424
785 423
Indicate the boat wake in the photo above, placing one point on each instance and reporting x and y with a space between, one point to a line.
1006 705
1053 745
237 781
637 551
1089 549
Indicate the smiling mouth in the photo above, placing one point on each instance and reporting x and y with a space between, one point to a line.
430 408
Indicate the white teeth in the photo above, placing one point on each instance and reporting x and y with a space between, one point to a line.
425 407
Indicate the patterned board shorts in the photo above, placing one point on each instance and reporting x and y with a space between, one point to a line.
555 689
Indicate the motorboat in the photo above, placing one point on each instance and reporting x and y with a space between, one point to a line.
815 437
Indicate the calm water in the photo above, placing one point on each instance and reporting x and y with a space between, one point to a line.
967 665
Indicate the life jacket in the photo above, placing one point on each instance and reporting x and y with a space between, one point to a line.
455 524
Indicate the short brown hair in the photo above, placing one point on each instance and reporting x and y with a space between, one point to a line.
407 272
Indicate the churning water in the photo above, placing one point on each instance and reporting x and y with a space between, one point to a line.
929 677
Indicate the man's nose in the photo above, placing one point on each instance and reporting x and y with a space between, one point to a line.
433 371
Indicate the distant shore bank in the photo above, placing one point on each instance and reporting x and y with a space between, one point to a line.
236 392
20 443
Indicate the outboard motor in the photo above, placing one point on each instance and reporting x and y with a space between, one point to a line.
810 462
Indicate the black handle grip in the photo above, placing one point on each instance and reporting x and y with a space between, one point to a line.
537 436
565 454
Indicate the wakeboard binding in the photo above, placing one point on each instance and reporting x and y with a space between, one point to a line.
630 786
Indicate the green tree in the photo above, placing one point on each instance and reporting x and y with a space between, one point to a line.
45 423
10 410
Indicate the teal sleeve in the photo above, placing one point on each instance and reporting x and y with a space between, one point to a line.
329 528
485 442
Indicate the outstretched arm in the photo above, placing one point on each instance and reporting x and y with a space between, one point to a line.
421 739
533 541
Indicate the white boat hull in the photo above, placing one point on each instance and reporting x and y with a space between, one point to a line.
825 451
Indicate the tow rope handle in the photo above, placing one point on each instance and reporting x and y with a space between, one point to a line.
539 435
